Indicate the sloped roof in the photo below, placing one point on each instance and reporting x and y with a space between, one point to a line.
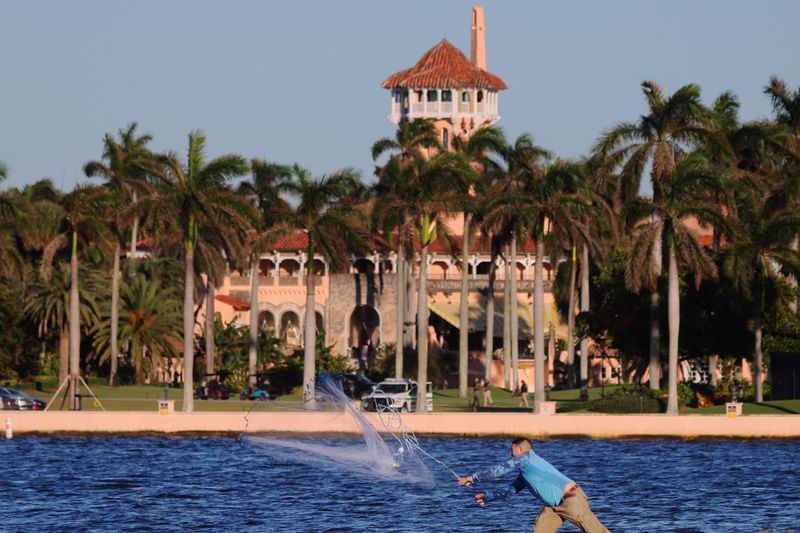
236 303
444 67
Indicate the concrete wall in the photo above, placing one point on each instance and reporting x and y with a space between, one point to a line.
455 424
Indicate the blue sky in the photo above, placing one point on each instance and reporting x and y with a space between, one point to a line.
300 81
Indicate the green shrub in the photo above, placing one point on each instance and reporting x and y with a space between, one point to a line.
628 399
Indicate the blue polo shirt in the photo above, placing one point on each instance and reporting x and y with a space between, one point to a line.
539 476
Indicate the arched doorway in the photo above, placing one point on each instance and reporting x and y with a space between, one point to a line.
320 321
290 330
266 320
364 325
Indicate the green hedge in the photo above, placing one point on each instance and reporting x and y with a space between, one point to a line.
628 399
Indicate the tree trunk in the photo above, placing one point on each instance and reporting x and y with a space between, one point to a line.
490 318
713 362
211 323
112 378
138 362
463 314
506 326
188 332
400 272
411 283
422 332
134 230
792 279
571 322
655 326
252 345
758 358
74 325
674 309
584 307
514 317
63 353
310 337
539 395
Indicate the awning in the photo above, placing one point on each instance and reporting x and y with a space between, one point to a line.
236 303
449 311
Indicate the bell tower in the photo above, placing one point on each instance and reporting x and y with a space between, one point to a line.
459 95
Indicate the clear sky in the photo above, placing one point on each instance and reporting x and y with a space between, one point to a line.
300 81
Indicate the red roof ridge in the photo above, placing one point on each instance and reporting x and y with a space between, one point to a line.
444 66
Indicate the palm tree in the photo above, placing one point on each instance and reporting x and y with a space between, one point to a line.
477 150
85 221
47 305
269 181
683 196
540 205
326 213
195 204
414 141
150 317
762 248
659 138
786 106
124 171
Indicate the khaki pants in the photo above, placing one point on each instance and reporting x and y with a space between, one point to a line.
574 508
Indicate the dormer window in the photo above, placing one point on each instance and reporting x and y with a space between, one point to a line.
465 97
480 96
447 95
433 96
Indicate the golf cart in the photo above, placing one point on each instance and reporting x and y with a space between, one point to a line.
213 387
260 391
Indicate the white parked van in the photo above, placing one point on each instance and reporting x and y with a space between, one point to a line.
400 394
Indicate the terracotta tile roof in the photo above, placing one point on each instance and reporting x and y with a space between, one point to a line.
444 66
479 244
236 303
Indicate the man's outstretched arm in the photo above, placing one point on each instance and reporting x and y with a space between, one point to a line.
482 497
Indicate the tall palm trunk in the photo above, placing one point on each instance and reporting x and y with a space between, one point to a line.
571 322
422 332
411 292
211 320
112 378
134 230
310 344
400 273
584 307
490 318
506 326
514 317
74 325
538 326
758 359
252 345
188 332
655 326
463 314
674 310
63 353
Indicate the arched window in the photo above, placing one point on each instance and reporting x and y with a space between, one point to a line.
446 139
465 97
480 96
447 96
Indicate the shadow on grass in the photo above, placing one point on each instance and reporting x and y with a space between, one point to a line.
777 408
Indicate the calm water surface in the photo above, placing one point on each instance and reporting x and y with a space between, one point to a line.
182 484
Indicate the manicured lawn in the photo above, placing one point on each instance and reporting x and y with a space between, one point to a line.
145 397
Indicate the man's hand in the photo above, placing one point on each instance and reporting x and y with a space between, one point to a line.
480 498
466 480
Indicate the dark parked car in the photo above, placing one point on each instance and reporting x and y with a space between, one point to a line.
19 401
353 385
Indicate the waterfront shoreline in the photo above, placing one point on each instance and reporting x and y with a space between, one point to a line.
602 426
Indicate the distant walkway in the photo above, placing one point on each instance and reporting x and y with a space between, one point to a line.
441 424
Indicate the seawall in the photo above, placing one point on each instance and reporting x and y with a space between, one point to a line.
431 424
